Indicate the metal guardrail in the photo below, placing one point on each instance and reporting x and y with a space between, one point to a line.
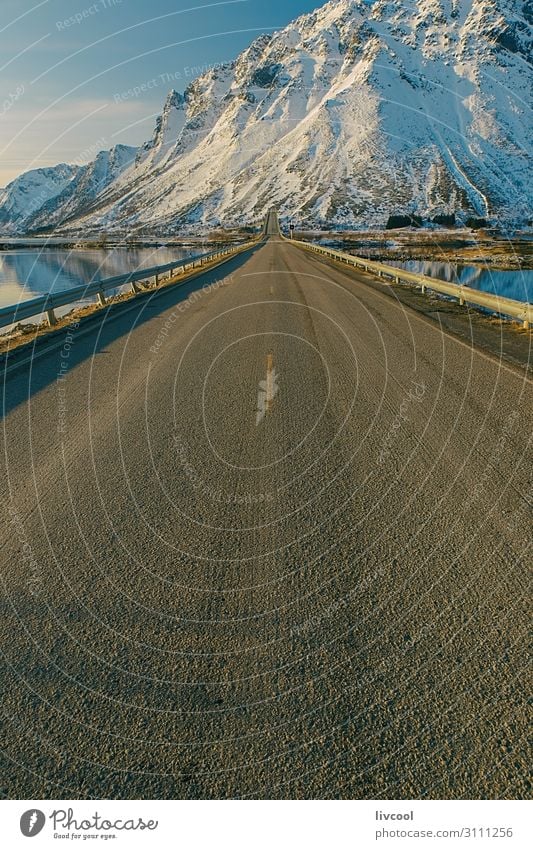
464 294
47 304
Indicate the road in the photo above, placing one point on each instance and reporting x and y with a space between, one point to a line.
266 538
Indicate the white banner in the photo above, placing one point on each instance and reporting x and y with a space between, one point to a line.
264 825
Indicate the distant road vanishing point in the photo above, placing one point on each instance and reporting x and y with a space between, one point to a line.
328 600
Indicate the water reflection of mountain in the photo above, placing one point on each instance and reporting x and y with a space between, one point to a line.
509 284
28 273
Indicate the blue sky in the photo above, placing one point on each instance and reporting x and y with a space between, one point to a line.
65 66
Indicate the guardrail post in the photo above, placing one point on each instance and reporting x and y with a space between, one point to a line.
463 294
98 288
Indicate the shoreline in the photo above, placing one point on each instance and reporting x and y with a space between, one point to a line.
455 246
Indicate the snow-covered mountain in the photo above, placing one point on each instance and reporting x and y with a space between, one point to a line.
359 110
48 197
89 183
29 192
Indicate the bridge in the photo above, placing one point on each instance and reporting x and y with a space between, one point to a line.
265 534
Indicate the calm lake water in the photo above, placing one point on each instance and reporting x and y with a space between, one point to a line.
28 273
510 284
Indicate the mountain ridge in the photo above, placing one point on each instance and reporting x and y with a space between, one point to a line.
353 112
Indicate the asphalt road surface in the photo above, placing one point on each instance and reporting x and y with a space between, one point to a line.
265 535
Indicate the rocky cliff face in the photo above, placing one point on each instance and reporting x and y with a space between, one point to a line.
361 109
